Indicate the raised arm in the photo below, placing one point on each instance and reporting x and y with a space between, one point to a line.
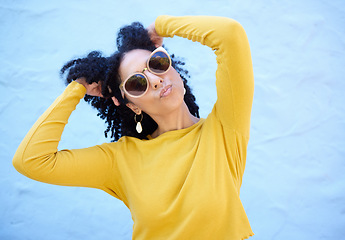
38 158
234 76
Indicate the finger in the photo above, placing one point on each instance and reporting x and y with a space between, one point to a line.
116 102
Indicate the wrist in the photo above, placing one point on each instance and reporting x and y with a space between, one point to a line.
81 81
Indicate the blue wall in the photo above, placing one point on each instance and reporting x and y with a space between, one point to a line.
294 184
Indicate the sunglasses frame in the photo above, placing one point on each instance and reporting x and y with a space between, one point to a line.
142 73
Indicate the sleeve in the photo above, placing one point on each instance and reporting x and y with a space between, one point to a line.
37 156
234 76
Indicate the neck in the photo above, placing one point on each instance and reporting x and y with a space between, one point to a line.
176 120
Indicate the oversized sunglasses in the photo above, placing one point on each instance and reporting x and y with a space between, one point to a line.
137 84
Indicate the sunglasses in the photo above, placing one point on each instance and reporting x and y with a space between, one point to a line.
137 84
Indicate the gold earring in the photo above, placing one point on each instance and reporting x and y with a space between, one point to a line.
139 128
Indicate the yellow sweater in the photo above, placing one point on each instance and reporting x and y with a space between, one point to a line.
184 184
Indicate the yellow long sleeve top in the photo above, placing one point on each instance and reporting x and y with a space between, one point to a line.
184 184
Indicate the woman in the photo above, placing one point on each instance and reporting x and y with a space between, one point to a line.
179 175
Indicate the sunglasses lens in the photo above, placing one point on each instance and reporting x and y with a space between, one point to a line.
159 62
136 85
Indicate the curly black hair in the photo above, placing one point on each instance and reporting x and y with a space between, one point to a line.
97 68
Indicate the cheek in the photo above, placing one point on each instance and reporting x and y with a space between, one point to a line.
176 77
145 103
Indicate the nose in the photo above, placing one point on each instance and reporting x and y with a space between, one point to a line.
155 80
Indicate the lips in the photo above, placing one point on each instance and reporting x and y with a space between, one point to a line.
166 91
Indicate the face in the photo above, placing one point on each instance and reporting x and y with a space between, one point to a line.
165 92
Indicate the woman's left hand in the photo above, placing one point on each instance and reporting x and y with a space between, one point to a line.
155 38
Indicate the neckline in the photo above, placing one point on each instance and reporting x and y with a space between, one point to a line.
179 131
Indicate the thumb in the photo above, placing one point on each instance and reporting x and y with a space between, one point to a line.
116 102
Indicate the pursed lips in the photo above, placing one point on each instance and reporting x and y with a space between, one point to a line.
166 91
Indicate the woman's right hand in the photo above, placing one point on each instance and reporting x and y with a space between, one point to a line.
155 38
93 89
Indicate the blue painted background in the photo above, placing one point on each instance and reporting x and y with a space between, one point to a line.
294 184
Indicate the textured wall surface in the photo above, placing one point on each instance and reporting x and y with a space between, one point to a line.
294 184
